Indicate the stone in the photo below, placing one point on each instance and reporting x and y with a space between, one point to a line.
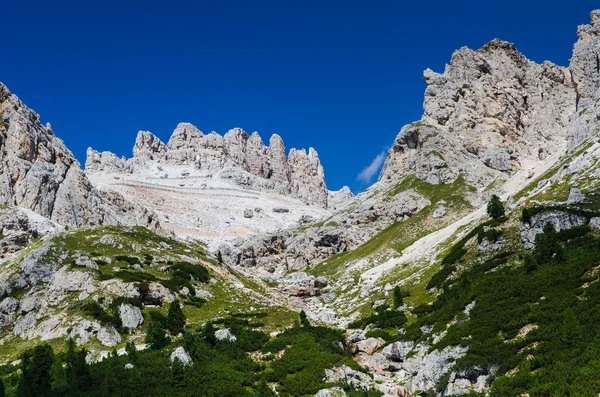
561 221
179 354
128 366
355 337
575 196
9 305
439 212
594 224
327 316
370 345
131 316
397 351
108 336
225 334
248 213
321 282
331 392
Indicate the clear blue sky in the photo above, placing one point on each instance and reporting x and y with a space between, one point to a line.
343 77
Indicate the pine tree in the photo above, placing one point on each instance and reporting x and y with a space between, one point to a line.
176 318
397 297
2 391
36 365
209 334
304 319
131 352
156 337
78 374
219 257
495 209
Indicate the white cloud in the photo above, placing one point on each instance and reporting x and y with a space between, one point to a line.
367 174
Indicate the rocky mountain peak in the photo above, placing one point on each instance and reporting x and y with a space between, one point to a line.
39 173
235 156
491 113
148 144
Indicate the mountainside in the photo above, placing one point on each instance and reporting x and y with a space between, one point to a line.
469 268
237 157
218 188
39 173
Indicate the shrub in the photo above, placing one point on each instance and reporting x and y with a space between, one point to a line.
132 260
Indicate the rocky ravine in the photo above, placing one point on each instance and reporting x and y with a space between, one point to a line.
39 173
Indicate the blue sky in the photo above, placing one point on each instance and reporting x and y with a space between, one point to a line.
342 77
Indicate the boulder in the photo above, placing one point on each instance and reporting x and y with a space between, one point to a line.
108 336
179 354
370 345
225 334
397 351
131 316
575 196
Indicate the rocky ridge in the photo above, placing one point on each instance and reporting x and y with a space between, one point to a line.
39 173
236 156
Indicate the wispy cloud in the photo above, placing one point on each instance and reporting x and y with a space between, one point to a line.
367 174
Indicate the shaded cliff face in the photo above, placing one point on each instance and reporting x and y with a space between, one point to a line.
238 157
491 113
39 173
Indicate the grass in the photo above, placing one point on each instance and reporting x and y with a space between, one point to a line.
400 235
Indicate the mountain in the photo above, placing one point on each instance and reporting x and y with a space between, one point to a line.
218 188
39 173
469 268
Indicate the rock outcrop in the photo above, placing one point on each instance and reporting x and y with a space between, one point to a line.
236 156
491 112
39 173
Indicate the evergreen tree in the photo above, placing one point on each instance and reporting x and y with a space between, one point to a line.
571 330
156 337
2 391
131 352
397 297
548 247
176 318
36 365
495 209
209 334
304 319
77 371
219 257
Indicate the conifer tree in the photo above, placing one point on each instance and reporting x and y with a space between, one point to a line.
495 209
175 318
397 297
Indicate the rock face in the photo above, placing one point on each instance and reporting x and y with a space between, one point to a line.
491 112
39 173
294 250
585 73
559 219
236 156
